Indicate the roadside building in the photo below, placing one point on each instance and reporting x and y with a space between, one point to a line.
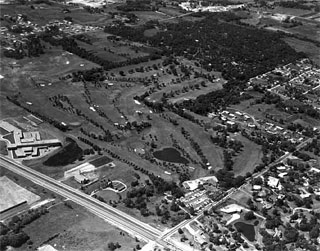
274 182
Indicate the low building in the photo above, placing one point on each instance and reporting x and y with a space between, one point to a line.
232 209
80 178
47 248
194 184
274 182
256 187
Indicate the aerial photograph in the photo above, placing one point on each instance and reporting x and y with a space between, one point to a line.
160 125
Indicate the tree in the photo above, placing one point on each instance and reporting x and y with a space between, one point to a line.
258 181
112 246
249 215
314 233
174 206
291 234
3 229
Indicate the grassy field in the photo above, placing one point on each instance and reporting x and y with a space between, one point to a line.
7 109
145 16
13 194
310 31
120 95
72 229
290 11
75 229
192 94
247 160
259 110
46 68
114 51
44 13
108 195
310 49
3 147
26 184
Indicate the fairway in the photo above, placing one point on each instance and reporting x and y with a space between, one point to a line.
249 158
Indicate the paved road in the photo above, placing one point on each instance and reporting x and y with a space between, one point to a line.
113 215
174 17
230 192
110 214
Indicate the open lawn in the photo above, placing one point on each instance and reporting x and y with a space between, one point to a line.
180 95
110 50
3 147
145 16
25 185
108 195
258 111
7 108
13 194
249 158
240 198
290 11
310 49
44 69
310 31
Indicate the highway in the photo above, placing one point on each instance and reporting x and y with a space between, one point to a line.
105 211
113 215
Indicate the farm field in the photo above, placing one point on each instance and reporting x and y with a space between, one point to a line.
111 50
3 147
309 48
75 229
26 184
290 11
310 31
44 72
44 13
13 194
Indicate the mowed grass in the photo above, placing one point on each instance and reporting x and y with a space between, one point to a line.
13 194
290 11
24 183
213 153
310 31
310 49
247 160
3 147
44 14
191 94
145 16
47 67
113 51
108 195
8 109
240 198
258 110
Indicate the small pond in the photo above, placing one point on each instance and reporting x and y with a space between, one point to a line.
247 230
170 155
